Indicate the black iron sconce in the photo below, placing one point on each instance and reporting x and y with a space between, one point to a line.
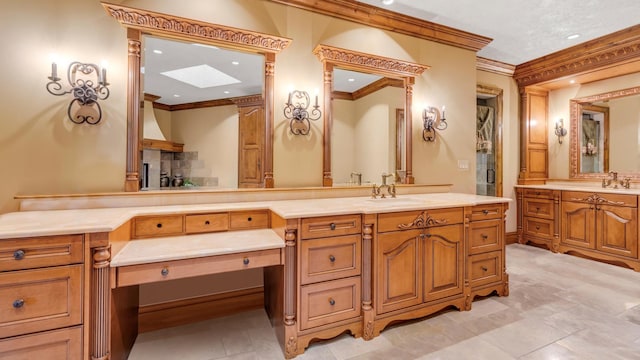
561 132
296 111
432 120
88 85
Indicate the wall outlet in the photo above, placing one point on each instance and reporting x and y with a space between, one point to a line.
463 165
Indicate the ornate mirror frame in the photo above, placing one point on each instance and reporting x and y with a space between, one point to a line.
576 106
139 22
352 60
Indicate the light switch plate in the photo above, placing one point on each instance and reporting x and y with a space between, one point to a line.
463 165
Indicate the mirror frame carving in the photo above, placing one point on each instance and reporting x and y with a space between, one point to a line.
352 60
139 22
576 114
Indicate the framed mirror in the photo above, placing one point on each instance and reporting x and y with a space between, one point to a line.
259 147
604 135
388 74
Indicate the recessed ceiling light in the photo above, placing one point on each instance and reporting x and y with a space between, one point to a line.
157 51
226 92
351 80
572 81
235 63
176 95
573 36
387 2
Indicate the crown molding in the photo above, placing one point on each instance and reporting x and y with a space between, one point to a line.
494 66
388 20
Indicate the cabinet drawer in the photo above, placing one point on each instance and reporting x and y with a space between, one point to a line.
486 212
485 268
538 227
206 223
538 193
325 226
330 258
149 226
542 208
40 299
602 198
328 302
178 269
58 344
249 220
485 236
28 253
418 219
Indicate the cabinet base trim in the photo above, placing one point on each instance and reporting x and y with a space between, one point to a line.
594 255
185 311
511 238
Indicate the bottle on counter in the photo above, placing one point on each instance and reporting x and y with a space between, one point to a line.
178 180
164 179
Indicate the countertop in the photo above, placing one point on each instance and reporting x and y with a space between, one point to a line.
57 222
592 188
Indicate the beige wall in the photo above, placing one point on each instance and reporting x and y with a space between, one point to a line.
559 108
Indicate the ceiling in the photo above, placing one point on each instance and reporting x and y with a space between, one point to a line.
523 30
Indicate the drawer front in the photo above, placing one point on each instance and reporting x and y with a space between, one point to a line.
18 254
149 226
330 258
542 208
326 226
41 299
538 193
206 223
604 198
538 227
486 212
178 269
485 236
419 219
328 302
485 268
249 220
58 344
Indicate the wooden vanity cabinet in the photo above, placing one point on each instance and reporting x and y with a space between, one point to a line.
538 220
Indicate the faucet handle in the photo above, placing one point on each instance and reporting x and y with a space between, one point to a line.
626 182
375 191
392 190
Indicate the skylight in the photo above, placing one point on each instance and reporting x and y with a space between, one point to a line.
201 76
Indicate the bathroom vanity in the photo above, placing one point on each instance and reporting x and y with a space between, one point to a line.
330 265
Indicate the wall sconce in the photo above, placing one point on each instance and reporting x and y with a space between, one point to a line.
432 120
560 130
88 85
296 110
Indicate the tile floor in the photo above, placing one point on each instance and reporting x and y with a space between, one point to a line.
560 307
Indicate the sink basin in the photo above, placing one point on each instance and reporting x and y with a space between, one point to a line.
395 201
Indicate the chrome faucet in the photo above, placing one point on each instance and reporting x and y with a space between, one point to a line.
625 183
378 190
358 177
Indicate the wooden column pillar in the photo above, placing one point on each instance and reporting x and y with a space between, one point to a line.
367 309
100 315
327 179
269 73
408 139
134 126
290 334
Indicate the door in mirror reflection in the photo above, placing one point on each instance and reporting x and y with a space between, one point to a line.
593 137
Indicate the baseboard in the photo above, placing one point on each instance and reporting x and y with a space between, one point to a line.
511 238
185 311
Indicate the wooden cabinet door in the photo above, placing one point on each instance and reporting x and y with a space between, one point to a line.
578 225
251 147
443 262
617 230
399 276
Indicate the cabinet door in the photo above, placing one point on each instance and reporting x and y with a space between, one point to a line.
578 227
251 147
617 230
399 279
443 262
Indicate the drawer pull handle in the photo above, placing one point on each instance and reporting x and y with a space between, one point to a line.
207 222
18 254
332 302
245 261
332 258
486 212
159 225
537 209
249 218
484 268
484 236
164 271
17 304
537 227
332 226
537 192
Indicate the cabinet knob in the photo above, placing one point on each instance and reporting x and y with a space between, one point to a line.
164 271
484 236
484 268
159 225
537 209
249 218
332 226
245 261
332 302
17 304
537 227
486 212
207 222
332 258
18 254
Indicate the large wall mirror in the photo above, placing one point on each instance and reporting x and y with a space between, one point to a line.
208 46
364 92
605 135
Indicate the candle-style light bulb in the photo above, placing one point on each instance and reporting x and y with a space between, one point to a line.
54 70
289 101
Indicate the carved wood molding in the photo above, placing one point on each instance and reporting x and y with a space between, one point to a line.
388 20
367 62
494 66
614 49
154 22
250 100
422 221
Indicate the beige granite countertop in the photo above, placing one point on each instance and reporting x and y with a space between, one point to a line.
582 187
57 222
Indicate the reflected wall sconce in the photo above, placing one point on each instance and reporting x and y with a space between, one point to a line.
88 84
560 130
432 120
296 110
